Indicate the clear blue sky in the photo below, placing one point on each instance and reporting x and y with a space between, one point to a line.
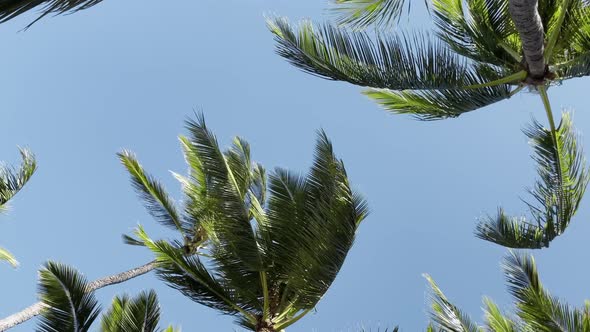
125 74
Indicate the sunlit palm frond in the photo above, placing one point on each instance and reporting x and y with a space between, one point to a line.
479 29
156 200
360 14
446 315
69 308
391 62
10 9
13 180
563 178
535 306
495 320
141 314
6 256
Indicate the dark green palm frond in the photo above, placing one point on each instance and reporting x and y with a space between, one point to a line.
69 308
446 315
479 29
360 14
313 223
233 242
10 9
141 314
563 178
574 33
157 201
188 275
576 67
392 62
495 320
536 307
13 180
437 104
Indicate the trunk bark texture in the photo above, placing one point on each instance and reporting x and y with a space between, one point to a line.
526 18
35 309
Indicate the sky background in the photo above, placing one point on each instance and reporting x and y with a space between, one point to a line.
125 74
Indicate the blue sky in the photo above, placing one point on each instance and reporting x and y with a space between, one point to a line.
126 74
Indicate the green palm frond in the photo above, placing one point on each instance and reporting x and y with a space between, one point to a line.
495 320
13 180
10 9
391 62
360 14
141 313
69 308
479 29
535 306
437 104
6 256
563 178
446 315
157 201
270 253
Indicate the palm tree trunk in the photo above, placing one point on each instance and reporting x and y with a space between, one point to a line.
35 309
526 18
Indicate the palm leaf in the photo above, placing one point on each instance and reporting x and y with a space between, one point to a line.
10 9
141 314
495 320
6 256
157 201
69 308
393 62
360 14
563 178
446 315
12 180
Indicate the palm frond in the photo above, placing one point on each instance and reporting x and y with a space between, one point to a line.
495 320
10 9
6 256
13 180
156 200
394 62
536 307
141 313
481 30
437 104
563 178
313 223
360 14
446 315
69 308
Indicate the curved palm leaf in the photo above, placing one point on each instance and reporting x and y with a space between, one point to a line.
361 14
536 309
270 256
69 308
10 9
141 314
11 182
563 178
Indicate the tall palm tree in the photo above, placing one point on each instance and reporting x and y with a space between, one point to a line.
11 182
70 305
536 308
10 9
263 255
474 60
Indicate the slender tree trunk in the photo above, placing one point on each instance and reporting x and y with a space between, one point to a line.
526 18
35 309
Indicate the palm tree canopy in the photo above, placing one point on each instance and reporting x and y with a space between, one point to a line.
536 308
11 182
262 248
10 9
70 307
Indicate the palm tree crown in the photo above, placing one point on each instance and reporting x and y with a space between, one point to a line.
262 248
475 59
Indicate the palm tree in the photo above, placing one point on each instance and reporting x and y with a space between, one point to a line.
11 182
474 61
10 9
263 255
536 308
70 305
